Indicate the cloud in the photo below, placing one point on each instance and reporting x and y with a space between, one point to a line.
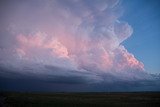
67 41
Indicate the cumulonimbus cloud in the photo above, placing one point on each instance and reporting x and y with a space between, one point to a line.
77 35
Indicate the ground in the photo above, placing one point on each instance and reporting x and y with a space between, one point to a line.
116 99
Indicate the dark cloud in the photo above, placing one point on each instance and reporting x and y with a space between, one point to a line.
58 85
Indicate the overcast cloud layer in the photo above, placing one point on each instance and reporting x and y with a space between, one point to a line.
67 41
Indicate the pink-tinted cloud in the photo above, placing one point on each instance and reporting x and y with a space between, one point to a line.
39 41
126 60
85 39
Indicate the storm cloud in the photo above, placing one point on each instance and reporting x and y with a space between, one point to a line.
67 42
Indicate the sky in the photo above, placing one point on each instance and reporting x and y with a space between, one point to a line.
144 42
79 45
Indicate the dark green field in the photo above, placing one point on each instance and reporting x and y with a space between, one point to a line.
139 99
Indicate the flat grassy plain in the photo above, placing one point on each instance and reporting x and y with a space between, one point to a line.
102 99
